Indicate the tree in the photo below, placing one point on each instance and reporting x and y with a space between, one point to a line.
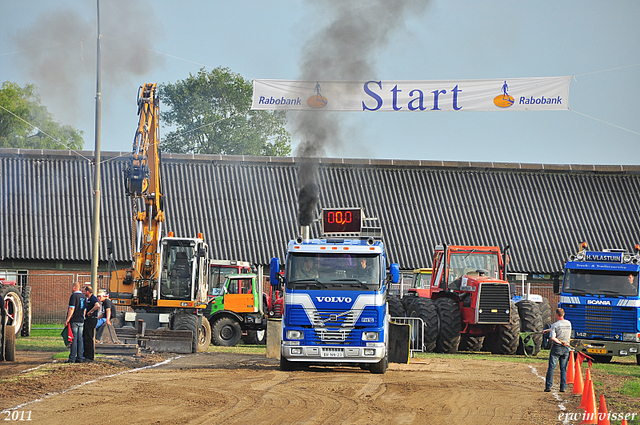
211 113
25 123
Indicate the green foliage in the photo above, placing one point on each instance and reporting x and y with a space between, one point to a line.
25 123
211 113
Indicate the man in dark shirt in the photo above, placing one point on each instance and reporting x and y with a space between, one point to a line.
91 318
75 319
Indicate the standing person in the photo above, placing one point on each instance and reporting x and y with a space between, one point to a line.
560 335
75 319
90 320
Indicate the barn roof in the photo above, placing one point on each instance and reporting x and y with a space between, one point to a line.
246 207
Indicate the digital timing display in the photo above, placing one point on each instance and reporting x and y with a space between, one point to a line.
342 220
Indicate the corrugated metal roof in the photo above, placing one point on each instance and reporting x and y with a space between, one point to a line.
246 207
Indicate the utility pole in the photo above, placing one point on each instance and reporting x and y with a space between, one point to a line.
95 257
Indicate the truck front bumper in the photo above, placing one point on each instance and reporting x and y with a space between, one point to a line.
372 353
606 348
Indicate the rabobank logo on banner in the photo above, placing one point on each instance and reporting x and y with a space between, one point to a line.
504 100
515 94
317 101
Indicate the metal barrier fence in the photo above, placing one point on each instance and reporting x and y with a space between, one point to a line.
417 332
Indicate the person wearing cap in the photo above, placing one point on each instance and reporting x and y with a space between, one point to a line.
560 336
107 310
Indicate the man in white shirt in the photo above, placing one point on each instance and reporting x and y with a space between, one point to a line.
560 336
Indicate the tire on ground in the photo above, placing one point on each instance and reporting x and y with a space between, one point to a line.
255 337
381 367
425 309
471 343
505 339
204 334
530 321
226 332
450 325
396 309
26 303
14 310
9 343
286 365
189 322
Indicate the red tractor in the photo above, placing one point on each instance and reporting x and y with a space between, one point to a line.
468 304
15 316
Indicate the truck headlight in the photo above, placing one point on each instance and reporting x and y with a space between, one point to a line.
370 336
293 334
632 337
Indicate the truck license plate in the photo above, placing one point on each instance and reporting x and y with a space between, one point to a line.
332 354
597 350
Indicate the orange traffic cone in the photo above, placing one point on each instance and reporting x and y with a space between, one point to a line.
603 413
585 394
577 377
624 422
590 413
570 368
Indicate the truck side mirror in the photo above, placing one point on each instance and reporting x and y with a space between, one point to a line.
202 253
395 273
556 284
274 272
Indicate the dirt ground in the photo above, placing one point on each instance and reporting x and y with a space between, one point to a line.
242 388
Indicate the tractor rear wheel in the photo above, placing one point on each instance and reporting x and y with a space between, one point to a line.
425 309
9 343
505 339
226 332
530 321
471 343
396 309
26 303
547 320
450 325
14 310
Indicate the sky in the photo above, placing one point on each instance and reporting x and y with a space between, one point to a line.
53 44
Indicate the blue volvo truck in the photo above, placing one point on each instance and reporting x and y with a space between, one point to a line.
599 294
335 296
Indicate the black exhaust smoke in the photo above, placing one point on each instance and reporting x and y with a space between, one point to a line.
343 49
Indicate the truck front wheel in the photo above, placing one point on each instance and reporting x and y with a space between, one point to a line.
226 332
381 367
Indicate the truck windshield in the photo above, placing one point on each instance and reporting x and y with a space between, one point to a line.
218 276
470 264
600 282
178 264
334 271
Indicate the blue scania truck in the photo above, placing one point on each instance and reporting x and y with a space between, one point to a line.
335 288
599 294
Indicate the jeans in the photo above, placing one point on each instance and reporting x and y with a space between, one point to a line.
77 346
557 354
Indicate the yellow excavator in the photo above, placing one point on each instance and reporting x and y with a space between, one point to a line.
166 287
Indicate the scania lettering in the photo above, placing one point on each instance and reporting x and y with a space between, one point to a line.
599 294
335 306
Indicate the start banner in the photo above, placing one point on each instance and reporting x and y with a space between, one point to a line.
512 94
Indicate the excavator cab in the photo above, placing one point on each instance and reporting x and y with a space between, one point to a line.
184 263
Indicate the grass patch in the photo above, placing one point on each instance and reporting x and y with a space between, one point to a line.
43 338
239 349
